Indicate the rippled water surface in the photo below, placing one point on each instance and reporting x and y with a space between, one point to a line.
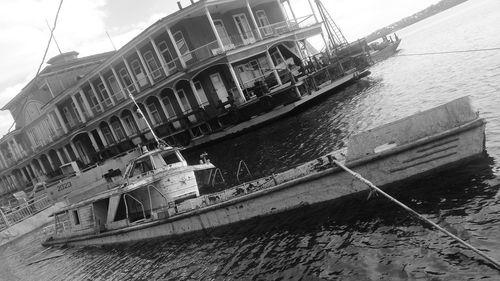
355 238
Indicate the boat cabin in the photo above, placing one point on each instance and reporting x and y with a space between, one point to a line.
154 183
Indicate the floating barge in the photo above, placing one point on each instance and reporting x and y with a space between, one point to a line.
159 196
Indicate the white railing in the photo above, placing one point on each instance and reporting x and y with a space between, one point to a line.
283 27
201 53
24 211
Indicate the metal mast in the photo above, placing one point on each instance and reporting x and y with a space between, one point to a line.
335 36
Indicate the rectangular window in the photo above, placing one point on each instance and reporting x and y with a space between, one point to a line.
224 37
115 89
51 131
84 109
139 74
184 100
130 124
201 93
154 114
169 107
127 81
94 102
76 217
165 52
75 110
108 135
182 46
66 112
263 22
244 29
118 130
104 94
153 65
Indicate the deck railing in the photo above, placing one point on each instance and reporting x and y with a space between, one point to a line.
202 53
24 211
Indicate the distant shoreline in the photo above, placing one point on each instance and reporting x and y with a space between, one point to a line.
441 6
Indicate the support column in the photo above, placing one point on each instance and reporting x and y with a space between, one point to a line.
312 10
119 82
179 101
25 175
75 151
179 55
125 128
162 104
107 89
273 67
79 109
44 171
14 152
301 56
59 155
17 147
195 92
252 17
281 56
214 29
59 116
52 166
96 96
86 103
138 123
145 66
113 133
2 158
148 112
159 55
13 181
131 74
241 97
291 10
283 12
33 170
93 141
101 135
68 156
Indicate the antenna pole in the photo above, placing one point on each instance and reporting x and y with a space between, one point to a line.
111 41
53 36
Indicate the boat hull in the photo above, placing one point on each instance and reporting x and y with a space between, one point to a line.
386 52
427 155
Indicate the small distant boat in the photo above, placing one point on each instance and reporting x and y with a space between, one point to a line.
384 50
159 195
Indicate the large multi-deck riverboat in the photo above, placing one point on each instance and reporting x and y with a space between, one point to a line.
205 72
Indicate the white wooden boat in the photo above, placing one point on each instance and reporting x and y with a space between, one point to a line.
163 199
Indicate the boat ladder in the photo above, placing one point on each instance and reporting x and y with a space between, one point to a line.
212 177
242 167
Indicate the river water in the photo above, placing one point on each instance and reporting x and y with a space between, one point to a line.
355 238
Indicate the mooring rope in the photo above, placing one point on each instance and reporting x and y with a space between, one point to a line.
374 187
449 52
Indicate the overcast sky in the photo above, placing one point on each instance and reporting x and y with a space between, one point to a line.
82 25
